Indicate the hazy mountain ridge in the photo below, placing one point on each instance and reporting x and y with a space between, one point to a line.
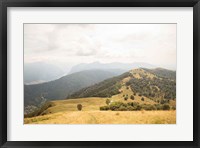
123 67
40 72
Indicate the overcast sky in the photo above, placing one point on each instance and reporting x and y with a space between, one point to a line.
71 44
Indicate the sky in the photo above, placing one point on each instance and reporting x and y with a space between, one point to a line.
66 45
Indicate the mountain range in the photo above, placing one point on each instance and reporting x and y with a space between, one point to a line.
160 83
40 72
64 86
118 67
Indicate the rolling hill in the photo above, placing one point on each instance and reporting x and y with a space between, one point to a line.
152 83
62 87
144 88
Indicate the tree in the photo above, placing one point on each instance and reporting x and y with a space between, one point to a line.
79 107
166 107
107 101
132 97
126 98
142 99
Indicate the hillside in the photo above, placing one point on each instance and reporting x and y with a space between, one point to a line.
159 84
139 96
65 112
61 88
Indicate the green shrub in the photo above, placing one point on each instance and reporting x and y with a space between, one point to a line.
138 107
126 98
104 108
122 108
148 107
130 108
166 107
158 106
132 97
79 107
107 101
142 99
174 107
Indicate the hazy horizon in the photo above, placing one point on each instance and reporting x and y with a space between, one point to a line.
67 45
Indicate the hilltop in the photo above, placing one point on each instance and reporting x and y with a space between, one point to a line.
159 84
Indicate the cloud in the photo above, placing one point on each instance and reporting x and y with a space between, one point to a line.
75 43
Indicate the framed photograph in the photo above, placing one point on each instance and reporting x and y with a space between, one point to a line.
99 73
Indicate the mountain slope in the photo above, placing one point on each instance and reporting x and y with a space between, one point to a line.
143 82
61 88
162 73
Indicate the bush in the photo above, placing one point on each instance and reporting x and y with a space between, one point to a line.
158 106
122 108
142 99
132 97
140 95
79 107
107 101
127 87
174 107
166 107
130 108
115 105
133 106
138 107
104 108
149 107
126 98
134 94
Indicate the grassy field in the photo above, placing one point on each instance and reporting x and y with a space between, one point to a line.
65 112
106 117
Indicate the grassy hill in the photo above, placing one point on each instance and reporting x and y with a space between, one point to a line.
61 88
65 112
156 84
124 92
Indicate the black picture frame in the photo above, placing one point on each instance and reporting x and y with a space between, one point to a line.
4 4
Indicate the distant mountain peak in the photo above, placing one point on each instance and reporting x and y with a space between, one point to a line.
107 66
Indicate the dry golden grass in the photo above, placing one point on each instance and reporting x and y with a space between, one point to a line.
65 112
106 117
137 73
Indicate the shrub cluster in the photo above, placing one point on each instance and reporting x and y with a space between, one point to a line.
133 106
149 87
